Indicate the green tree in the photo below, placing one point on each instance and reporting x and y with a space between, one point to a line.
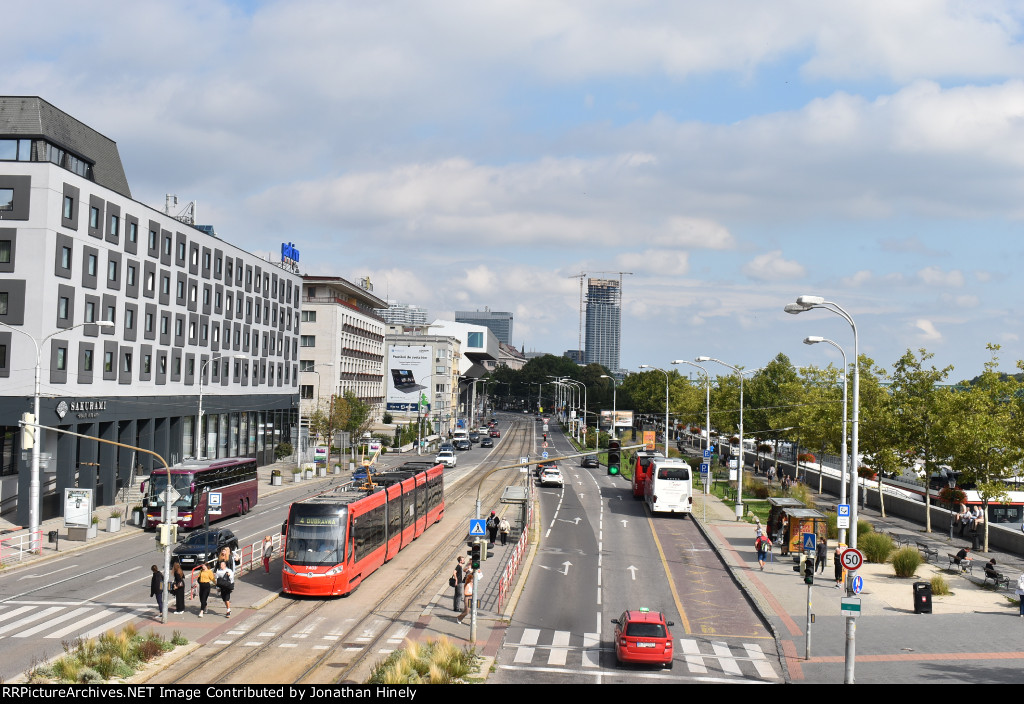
876 426
770 396
817 410
915 398
980 430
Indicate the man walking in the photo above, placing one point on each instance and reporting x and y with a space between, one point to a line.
156 588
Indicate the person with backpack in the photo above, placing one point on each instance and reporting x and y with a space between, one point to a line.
762 544
226 583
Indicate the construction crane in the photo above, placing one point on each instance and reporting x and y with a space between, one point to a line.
581 276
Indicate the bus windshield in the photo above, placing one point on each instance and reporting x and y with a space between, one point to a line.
315 537
181 482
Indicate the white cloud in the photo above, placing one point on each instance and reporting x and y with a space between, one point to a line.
772 267
927 330
933 276
858 279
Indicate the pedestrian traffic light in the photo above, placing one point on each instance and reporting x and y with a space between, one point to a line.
613 456
475 555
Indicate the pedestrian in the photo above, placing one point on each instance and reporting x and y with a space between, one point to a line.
268 552
178 588
1020 594
771 474
226 584
820 555
457 580
763 545
838 563
468 593
206 581
503 529
156 588
227 556
492 526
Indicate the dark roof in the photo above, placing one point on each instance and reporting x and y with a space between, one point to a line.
33 117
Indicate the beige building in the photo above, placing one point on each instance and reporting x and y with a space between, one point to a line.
423 379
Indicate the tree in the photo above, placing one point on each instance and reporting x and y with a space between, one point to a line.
877 435
915 399
818 410
769 398
980 430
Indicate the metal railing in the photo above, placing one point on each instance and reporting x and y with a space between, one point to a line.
18 547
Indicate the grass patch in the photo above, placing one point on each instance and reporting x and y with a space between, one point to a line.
876 547
905 561
434 662
940 587
112 656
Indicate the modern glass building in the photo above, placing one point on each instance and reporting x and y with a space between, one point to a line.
498 322
604 322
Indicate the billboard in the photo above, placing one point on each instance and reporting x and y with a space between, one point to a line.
623 419
408 378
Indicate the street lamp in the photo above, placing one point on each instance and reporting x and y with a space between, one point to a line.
739 484
583 419
615 389
803 304
33 486
647 366
202 377
813 340
707 384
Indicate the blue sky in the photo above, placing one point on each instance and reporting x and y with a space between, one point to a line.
463 154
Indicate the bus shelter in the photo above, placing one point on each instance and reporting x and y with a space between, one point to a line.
796 522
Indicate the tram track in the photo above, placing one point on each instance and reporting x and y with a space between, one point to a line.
393 600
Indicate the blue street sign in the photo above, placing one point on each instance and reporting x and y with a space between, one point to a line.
707 454
858 584
809 540
477 527
544 455
843 510
703 469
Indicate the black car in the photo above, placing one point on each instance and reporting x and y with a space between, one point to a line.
474 436
463 444
486 442
589 461
203 546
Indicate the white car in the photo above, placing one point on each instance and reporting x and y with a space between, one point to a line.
445 457
550 476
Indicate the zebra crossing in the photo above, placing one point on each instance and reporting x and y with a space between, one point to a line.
66 620
552 649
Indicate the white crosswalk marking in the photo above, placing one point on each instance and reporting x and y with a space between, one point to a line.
728 663
50 623
524 653
29 619
559 651
760 662
693 658
725 659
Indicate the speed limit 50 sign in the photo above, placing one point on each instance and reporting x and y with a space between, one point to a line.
852 559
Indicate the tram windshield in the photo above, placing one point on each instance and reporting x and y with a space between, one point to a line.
316 536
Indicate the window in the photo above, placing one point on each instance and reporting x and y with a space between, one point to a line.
3 303
309 316
181 250
306 365
15 150
307 341
112 271
6 199
94 217
90 312
167 245
115 224
90 265
5 252
164 324
128 362
129 318
62 358
62 308
178 326
165 285
87 360
131 275
133 232
152 239
191 367
147 363
149 322
206 260
69 207
111 312
150 281
108 361
65 257
3 355
181 290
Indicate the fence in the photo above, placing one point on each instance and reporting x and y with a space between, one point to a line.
247 558
508 575
19 547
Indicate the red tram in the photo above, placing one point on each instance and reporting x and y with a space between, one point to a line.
335 540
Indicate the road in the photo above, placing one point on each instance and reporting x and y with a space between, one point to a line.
601 553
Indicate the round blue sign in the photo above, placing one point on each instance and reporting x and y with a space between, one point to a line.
858 584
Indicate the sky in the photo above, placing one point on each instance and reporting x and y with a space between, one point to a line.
728 156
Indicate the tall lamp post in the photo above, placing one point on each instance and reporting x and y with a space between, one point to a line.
739 483
707 385
813 340
648 366
583 419
202 378
33 486
615 389
803 304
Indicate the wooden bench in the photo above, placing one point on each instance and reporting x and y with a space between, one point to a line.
928 552
966 565
997 579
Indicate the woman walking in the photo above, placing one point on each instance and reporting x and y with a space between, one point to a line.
268 552
226 583
178 588
468 591
206 581
459 575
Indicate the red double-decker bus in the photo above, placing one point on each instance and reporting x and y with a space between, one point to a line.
223 487
337 539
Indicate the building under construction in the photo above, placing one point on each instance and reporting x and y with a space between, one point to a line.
604 322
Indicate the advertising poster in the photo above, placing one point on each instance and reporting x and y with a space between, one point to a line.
408 378
623 419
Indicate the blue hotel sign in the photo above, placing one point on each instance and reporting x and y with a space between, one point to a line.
289 252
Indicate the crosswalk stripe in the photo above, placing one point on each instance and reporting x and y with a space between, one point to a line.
52 622
559 651
524 653
693 658
725 659
29 619
79 625
14 612
760 662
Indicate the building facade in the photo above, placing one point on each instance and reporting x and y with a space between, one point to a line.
498 322
191 313
423 379
604 322
404 314
341 347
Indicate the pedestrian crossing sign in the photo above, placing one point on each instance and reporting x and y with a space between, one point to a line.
809 540
477 527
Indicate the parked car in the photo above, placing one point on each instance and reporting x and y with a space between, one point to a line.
203 546
550 476
446 457
643 636
486 442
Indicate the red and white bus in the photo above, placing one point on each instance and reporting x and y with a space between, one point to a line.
642 471
335 540
223 487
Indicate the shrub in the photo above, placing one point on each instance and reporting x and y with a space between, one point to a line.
905 562
283 449
876 547
863 527
939 585
806 457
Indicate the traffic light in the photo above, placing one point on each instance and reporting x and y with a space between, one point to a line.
806 568
613 456
475 555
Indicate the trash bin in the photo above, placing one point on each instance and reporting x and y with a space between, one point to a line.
975 540
52 536
922 597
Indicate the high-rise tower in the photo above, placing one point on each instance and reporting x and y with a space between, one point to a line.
604 322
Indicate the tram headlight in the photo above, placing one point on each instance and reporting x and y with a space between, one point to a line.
288 569
335 570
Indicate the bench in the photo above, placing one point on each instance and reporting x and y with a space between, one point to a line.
966 565
928 552
900 540
997 579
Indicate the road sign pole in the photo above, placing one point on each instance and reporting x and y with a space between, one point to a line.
807 644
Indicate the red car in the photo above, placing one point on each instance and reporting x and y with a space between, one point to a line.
495 433
642 636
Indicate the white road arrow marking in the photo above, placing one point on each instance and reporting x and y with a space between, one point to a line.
632 571
121 575
566 565
46 574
